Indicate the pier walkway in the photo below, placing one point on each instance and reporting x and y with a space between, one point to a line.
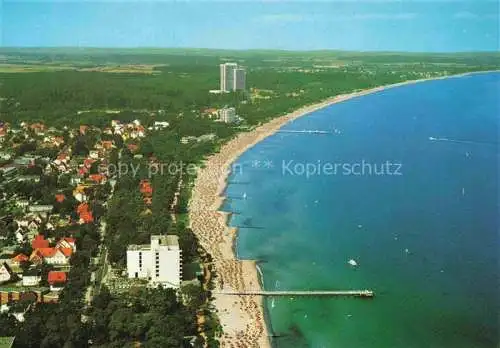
353 293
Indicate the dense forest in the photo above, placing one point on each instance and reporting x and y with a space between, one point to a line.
182 79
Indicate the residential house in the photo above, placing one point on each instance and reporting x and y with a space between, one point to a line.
19 233
41 209
80 193
62 159
85 213
34 225
14 294
138 132
75 180
147 191
22 222
51 256
6 273
38 128
106 145
62 167
32 277
87 163
39 242
159 125
60 197
18 260
210 113
145 188
97 178
56 280
94 154
67 243
3 133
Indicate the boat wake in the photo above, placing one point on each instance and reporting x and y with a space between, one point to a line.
463 141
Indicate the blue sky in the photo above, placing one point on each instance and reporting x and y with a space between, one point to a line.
396 25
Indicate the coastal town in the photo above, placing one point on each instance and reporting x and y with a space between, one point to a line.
97 235
57 184
55 188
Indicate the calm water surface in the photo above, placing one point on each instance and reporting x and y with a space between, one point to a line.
425 241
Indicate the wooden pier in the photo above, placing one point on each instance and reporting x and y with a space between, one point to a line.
291 293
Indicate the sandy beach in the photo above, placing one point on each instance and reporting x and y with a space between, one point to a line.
242 317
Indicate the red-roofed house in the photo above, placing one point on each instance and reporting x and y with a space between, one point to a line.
82 208
52 256
36 258
85 213
87 163
66 251
39 242
37 127
56 280
106 144
83 171
67 243
146 188
60 197
97 178
18 259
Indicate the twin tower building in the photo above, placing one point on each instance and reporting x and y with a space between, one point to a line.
232 77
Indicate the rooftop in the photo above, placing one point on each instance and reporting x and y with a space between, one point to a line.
162 240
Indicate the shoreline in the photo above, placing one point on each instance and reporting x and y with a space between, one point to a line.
242 317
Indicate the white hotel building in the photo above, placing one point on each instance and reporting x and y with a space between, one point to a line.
159 263
232 77
227 115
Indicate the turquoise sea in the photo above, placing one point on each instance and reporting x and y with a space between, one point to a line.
426 241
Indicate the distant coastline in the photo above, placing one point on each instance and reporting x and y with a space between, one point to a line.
242 317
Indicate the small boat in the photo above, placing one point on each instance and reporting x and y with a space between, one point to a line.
352 262
244 195
463 191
